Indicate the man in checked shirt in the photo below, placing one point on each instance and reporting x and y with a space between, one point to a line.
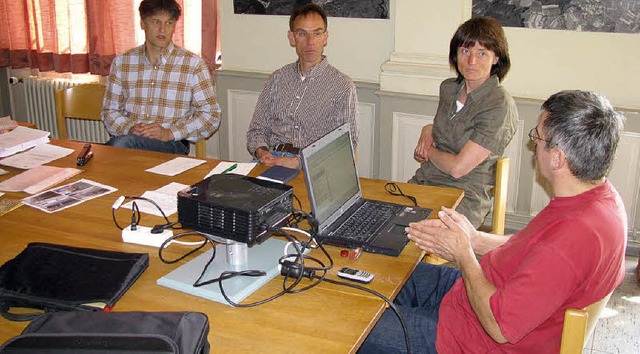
159 96
302 101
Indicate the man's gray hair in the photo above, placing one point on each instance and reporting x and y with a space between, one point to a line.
586 127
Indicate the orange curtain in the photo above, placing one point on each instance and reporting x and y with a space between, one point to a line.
81 36
111 27
210 33
44 34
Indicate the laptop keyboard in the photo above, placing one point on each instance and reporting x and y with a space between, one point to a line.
363 225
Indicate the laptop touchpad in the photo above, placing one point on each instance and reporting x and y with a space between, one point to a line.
411 214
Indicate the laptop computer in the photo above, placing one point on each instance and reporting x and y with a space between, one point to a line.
336 200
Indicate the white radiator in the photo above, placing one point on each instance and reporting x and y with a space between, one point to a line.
39 95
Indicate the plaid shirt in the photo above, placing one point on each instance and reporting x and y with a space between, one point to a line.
300 111
178 93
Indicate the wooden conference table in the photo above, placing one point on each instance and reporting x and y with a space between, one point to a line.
328 318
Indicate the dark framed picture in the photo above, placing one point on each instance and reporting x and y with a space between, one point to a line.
334 8
615 16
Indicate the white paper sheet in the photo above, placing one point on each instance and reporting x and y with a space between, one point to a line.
242 168
166 198
39 155
175 166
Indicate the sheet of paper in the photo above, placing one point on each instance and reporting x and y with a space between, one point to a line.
166 198
175 166
242 168
172 188
67 196
37 179
39 155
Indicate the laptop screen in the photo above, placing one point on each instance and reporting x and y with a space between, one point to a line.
331 176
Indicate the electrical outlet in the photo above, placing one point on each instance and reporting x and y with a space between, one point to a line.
142 235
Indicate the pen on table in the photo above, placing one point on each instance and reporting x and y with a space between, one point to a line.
231 168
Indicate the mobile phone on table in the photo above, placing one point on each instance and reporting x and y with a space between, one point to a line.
355 275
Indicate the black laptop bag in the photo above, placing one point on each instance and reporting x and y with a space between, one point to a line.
54 278
113 332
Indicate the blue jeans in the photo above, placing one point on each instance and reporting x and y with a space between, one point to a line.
418 303
143 143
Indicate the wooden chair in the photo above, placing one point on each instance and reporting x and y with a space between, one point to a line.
579 325
78 102
85 102
498 215
201 149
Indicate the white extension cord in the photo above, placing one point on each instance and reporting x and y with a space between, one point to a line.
142 235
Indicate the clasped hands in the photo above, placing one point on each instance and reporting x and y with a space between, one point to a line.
153 131
266 157
449 237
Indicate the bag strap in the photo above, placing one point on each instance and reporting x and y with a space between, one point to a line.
5 311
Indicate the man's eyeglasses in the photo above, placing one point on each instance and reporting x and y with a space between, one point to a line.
301 34
534 135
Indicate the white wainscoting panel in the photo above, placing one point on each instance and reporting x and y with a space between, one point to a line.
624 176
406 133
540 194
366 139
514 152
241 107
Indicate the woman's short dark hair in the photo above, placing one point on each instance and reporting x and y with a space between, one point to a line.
150 7
487 32
585 126
305 11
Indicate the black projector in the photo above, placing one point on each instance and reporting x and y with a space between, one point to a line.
235 207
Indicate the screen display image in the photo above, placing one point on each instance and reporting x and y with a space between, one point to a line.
333 176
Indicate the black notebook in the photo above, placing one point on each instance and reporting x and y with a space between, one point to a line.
279 174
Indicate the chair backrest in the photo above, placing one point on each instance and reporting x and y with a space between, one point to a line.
579 325
201 149
498 217
79 102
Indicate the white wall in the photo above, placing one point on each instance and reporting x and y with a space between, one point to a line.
546 61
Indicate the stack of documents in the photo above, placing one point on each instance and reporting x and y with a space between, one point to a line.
20 139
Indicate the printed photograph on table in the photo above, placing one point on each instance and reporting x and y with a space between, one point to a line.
67 196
